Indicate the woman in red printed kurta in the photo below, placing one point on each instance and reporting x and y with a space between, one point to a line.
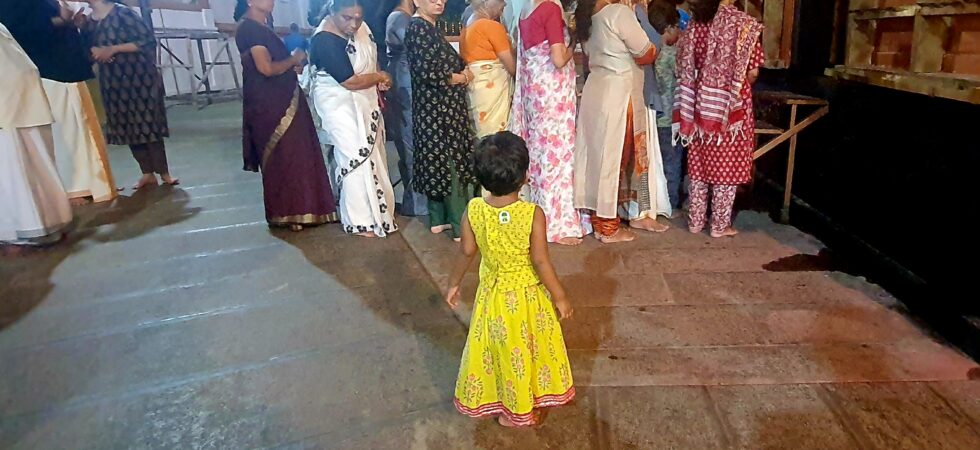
719 56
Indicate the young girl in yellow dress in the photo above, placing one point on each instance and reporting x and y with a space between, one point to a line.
514 361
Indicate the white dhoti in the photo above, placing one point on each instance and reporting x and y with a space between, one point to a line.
79 146
34 208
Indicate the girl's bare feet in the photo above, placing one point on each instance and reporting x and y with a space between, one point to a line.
296 227
695 230
649 224
169 180
505 422
148 179
728 232
621 235
570 241
440 228
367 234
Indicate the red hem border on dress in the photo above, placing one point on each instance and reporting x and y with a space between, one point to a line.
523 420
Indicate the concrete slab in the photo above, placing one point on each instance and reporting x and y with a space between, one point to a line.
780 417
175 318
659 418
920 360
902 416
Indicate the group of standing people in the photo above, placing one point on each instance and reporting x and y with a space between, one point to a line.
654 97
53 142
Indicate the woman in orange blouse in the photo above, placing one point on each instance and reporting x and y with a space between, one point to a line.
486 49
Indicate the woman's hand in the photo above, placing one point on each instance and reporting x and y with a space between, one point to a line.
384 82
65 13
298 57
103 54
79 19
452 297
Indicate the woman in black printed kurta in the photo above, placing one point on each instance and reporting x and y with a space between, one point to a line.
444 135
132 88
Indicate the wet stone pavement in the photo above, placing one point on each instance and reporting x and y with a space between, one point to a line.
175 318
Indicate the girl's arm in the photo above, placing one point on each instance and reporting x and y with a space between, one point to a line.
542 264
469 249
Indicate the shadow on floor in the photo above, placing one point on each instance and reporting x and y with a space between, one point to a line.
28 271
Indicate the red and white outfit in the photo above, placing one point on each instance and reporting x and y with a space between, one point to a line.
714 111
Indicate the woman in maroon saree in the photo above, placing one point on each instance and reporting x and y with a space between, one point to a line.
277 127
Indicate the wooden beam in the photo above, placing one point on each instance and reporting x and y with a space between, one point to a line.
786 41
951 9
793 131
954 87
860 42
929 38
903 11
772 34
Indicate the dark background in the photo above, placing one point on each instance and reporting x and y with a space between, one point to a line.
886 178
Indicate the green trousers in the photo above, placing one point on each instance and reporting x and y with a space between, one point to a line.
450 209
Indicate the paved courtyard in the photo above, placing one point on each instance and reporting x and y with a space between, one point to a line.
175 318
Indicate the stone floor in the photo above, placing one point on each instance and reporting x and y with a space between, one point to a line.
174 318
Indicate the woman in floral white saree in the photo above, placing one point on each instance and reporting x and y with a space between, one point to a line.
345 92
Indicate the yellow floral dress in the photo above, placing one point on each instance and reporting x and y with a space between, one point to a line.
515 359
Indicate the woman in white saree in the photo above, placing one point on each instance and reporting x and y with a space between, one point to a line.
345 91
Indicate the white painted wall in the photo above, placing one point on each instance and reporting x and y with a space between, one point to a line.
221 12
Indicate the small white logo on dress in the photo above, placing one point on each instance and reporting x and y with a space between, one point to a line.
504 217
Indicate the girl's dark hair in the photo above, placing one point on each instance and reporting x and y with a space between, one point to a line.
583 19
662 14
241 7
500 162
703 11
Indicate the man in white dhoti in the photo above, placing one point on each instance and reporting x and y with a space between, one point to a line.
46 32
34 208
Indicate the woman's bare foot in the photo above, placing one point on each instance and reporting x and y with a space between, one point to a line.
570 241
728 232
169 180
79 201
440 228
649 224
296 227
695 230
367 234
148 179
621 235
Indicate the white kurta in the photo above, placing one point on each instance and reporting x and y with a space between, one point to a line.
615 85
33 204
79 146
